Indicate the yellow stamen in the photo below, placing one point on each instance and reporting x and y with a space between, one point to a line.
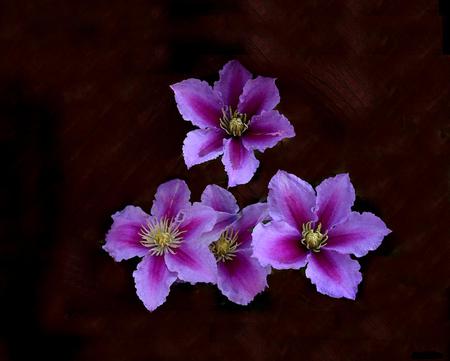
234 123
225 247
313 239
161 236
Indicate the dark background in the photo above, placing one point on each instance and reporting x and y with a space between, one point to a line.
89 125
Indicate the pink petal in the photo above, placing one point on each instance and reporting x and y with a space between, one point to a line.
277 244
233 77
123 239
193 263
359 234
241 279
240 163
198 102
259 94
334 274
335 198
225 206
171 197
219 199
250 217
196 221
291 199
202 145
153 280
266 130
223 220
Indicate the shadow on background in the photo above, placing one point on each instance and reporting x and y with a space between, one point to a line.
31 207
444 11
188 49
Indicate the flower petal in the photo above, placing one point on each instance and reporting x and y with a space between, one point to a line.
170 198
225 206
123 239
241 279
219 199
195 221
259 94
201 145
335 198
233 77
359 234
250 217
153 280
334 274
193 263
198 102
277 244
291 199
240 163
266 130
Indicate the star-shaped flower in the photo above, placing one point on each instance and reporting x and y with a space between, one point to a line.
317 229
235 117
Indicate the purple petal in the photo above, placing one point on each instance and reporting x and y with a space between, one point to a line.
225 206
233 77
196 221
153 280
201 145
259 94
277 244
193 263
171 197
291 199
240 163
219 199
335 198
223 220
250 217
241 279
198 102
123 239
266 130
359 234
334 274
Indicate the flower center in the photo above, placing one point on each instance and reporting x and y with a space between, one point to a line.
225 247
314 240
161 236
233 123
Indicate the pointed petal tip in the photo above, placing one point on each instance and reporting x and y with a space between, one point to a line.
335 275
153 281
240 163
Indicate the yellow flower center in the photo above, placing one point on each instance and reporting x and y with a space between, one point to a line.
236 126
225 247
313 239
233 123
163 239
161 236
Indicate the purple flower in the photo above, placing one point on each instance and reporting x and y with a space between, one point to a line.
319 230
240 277
235 117
168 241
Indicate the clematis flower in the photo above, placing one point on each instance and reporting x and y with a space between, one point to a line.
240 277
167 241
317 229
235 117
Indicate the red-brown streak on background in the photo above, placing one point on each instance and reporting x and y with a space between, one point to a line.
89 125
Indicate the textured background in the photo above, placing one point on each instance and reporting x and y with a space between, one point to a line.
89 125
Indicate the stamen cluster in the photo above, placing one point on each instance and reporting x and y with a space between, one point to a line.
225 247
233 122
313 240
161 236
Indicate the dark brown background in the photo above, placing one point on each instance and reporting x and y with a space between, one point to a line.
89 125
